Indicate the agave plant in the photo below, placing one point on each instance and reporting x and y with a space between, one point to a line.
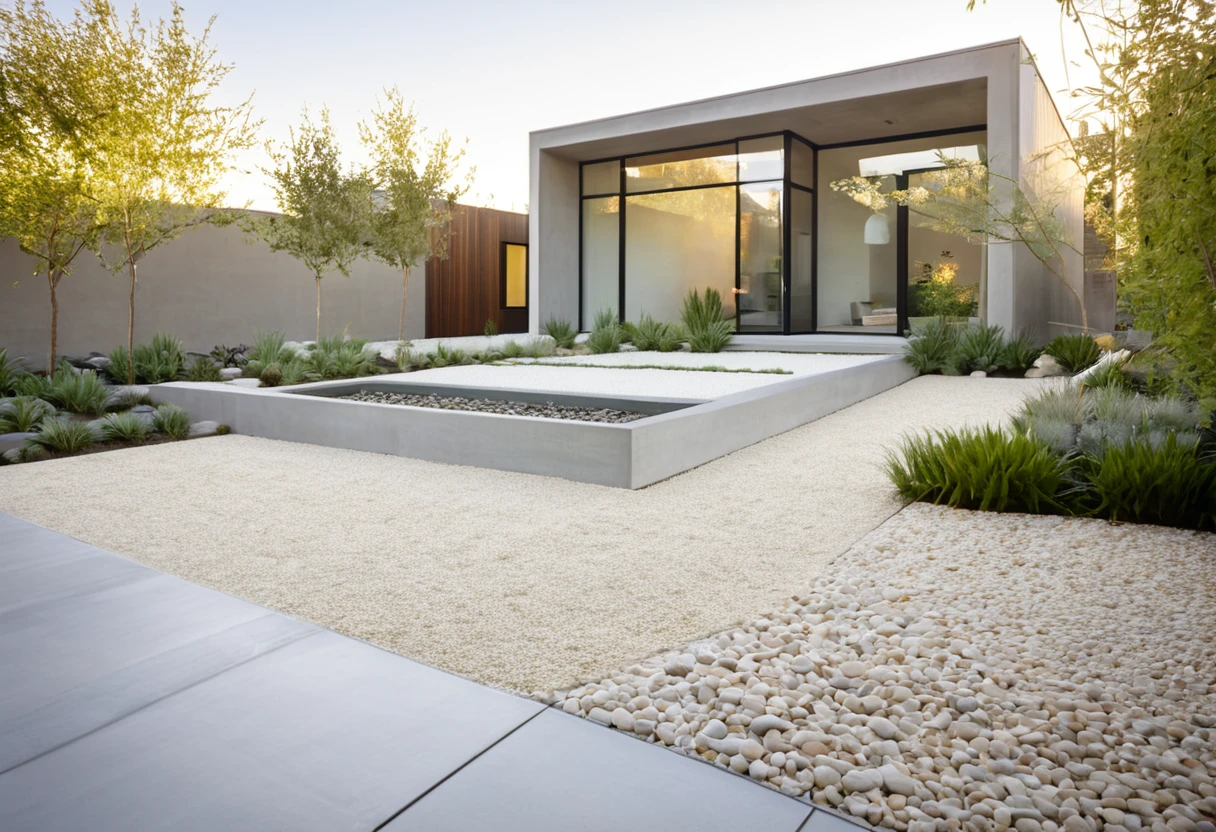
561 332
703 322
656 336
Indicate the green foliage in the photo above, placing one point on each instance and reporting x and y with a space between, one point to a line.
334 358
203 368
606 335
268 348
446 356
23 413
63 435
160 361
656 336
119 367
409 361
125 427
1020 353
10 371
1074 352
983 469
31 384
226 356
172 421
539 347
561 331
82 393
490 329
979 348
1165 482
934 293
931 348
326 209
1109 374
417 184
271 375
703 322
513 349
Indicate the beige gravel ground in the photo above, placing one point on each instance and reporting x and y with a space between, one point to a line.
526 582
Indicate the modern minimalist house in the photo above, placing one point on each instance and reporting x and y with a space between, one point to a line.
629 213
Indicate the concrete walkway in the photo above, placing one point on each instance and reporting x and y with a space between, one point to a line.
133 700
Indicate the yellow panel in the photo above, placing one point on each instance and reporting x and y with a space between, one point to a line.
517 275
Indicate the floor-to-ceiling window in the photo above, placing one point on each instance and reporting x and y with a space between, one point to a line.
708 217
867 254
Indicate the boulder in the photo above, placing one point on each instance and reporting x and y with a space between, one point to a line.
229 373
1045 367
10 441
119 394
98 362
204 428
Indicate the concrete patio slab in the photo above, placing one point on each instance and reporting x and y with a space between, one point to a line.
559 773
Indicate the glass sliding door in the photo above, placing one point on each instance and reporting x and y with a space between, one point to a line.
761 260
675 242
601 249
802 260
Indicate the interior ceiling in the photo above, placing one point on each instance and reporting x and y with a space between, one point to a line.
946 106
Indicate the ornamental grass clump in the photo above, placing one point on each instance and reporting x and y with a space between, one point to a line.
656 336
931 348
606 335
84 392
446 356
63 435
982 468
268 348
1074 352
203 368
22 414
1109 374
1167 483
539 347
561 331
706 329
10 371
125 427
160 361
172 421
514 349
978 348
1020 353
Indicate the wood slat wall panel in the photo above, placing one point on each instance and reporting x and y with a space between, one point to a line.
462 292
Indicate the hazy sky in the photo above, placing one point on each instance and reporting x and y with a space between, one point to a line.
493 71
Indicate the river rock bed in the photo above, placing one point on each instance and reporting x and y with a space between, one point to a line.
963 670
546 410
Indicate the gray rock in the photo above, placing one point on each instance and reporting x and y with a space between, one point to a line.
978 374
120 394
99 362
143 408
9 441
230 373
1045 366
204 428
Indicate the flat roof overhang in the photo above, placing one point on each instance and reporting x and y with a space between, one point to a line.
937 93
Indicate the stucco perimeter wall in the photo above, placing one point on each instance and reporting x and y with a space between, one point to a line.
666 445
210 286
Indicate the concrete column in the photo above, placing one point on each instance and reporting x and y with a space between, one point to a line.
553 239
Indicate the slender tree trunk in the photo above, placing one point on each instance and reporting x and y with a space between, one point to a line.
52 279
318 309
131 324
405 290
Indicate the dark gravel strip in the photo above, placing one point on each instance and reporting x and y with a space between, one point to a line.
547 410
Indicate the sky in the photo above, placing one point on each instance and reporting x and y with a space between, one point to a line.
490 72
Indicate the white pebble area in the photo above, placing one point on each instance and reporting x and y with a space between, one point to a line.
548 374
960 670
531 583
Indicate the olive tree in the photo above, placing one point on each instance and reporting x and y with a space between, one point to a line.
159 154
47 110
326 210
416 188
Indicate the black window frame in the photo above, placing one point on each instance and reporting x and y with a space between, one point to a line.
788 186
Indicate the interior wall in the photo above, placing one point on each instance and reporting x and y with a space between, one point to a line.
210 286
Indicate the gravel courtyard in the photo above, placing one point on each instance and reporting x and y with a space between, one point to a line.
526 582
958 668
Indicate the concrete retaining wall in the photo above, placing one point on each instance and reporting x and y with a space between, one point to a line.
630 455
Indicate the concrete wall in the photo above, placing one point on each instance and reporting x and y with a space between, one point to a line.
1046 172
554 206
210 286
